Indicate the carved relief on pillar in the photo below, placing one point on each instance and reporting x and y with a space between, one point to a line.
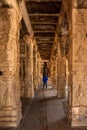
24 50
78 71
29 88
35 65
82 3
62 78
54 69
10 107
51 72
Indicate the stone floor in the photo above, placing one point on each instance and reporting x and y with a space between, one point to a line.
45 112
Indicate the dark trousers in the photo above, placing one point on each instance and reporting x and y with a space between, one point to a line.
44 84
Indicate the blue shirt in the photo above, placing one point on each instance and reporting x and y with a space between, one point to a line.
45 78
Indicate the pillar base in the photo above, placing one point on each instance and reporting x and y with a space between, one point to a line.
79 116
60 94
29 95
9 117
79 123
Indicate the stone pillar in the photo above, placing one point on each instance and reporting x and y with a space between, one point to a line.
51 72
41 75
35 68
29 93
10 106
67 79
22 79
55 73
39 70
23 66
78 69
61 75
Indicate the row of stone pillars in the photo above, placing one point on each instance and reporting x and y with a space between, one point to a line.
72 62
18 71
57 71
32 69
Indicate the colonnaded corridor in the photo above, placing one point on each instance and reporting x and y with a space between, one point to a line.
43 38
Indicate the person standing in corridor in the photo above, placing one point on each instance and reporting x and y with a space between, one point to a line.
45 79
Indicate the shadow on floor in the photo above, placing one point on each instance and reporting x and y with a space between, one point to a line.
45 112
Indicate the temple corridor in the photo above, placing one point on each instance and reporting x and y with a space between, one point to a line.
43 38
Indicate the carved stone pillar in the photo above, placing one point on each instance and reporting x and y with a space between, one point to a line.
51 72
61 75
23 66
39 70
78 69
67 79
35 68
29 93
55 73
10 106
61 78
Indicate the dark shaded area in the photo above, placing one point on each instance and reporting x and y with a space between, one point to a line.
44 7
1 73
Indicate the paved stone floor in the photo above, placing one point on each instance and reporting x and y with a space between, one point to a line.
45 112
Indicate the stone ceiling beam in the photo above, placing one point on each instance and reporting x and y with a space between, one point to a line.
44 39
41 42
26 18
47 37
44 28
38 14
43 23
45 0
44 31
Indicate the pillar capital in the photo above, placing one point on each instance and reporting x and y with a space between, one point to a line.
14 4
28 39
75 3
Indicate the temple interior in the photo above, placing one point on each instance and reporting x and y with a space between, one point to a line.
38 38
